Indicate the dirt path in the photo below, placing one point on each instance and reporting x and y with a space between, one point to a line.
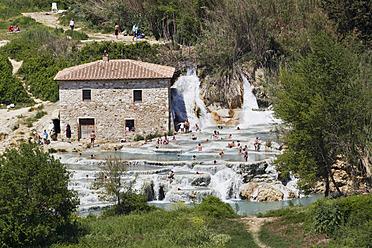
50 19
3 42
16 65
255 226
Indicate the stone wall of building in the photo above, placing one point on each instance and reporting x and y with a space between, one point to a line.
112 103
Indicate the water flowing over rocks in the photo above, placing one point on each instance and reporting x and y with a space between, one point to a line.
203 161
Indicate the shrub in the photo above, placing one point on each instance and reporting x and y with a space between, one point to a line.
11 87
130 202
213 206
327 216
52 150
139 137
76 35
35 218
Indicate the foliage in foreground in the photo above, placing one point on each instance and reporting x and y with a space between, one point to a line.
35 205
181 227
347 221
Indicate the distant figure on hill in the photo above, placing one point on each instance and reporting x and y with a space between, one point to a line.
72 24
10 29
116 30
45 137
135 31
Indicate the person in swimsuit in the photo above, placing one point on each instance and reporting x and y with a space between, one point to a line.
246 156
92 138
187 126
199 147
170 176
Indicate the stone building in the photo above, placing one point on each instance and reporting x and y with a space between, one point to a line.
115 98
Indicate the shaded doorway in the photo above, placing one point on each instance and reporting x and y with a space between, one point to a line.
57 125
129 125
86 126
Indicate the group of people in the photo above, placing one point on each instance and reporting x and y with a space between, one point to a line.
136 34
43 139
14 29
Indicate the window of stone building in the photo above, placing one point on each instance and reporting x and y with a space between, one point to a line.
137 95
87 95
129 125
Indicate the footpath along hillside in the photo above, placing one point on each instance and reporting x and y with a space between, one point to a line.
50 19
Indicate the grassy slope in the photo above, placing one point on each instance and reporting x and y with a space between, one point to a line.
344 222
174 228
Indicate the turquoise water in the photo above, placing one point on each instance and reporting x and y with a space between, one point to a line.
247 208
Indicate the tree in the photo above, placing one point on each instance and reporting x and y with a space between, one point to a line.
118 191
109 178
323 103
35 202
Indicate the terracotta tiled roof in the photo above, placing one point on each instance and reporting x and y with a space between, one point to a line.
115 70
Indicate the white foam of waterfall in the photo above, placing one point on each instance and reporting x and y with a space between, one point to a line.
186 100
226 183
292 185
250 116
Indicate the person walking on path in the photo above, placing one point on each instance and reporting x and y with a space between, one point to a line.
72 24
135 31
117 31
45 137
92 138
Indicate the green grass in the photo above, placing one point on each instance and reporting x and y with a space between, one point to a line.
182 227
34 118
343 222
25 23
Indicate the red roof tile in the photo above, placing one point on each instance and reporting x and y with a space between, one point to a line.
115 70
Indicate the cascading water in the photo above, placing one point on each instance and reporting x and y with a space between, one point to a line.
250 115
226 183
186 101
196 173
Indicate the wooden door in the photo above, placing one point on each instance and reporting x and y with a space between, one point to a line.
86 126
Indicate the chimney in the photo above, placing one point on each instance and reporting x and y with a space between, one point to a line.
105 57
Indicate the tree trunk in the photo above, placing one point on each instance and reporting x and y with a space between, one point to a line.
326 193
333 181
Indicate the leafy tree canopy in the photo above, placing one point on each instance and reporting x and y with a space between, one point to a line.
324 104
35 203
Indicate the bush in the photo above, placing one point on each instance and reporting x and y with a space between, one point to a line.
35 201
327 216
213 206
130 202
76 35
11 87
52 150
139 137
